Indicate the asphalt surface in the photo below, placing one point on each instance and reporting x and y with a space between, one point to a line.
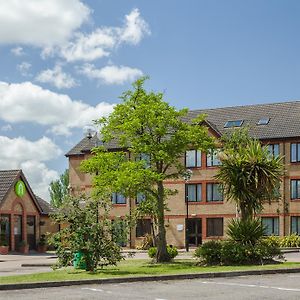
280 286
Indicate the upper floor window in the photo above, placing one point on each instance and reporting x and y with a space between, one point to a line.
193 192
145 157
271 225
212 158
295 152
214 192
274 149
118 198
295 189
140 197
193 158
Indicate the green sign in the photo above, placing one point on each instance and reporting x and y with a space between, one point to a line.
20 188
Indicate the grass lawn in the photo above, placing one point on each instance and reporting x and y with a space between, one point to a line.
135 267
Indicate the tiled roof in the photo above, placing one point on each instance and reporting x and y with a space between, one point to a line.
7 179
86 144
45 206
284 119
284 122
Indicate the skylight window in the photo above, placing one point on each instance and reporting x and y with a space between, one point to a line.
263 121
236 123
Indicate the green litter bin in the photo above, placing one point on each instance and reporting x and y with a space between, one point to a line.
79 261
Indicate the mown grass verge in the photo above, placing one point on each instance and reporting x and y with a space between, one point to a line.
136 267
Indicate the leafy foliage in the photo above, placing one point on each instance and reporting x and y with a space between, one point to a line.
172 252
248 231
250 175
145 125
83 232
209 253
59 189
287 241
236 253
146 243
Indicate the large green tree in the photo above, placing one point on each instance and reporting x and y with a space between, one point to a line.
149 129
249 173
59 189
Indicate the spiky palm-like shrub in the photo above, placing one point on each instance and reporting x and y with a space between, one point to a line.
246 232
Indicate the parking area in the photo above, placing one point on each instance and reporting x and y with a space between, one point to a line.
283 286
12 264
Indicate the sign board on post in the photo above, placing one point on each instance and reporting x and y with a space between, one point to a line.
20 188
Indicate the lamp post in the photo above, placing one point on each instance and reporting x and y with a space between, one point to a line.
187 176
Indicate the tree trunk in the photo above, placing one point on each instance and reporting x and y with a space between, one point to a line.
162 254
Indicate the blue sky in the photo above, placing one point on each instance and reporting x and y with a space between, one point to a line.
65 62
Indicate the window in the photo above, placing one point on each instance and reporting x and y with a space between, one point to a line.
145 157
214 227
214 192
263 121
295 152
193 192
118 198
236 123
271 225
295 189
193 158
274 149
143 227
295 225
140 197
212 158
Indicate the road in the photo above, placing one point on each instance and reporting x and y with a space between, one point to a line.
280 286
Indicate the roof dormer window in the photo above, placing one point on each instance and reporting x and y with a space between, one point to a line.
263 121
233 123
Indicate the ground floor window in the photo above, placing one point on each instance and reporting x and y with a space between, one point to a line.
295 225
271 225
143 227
214 227
5 229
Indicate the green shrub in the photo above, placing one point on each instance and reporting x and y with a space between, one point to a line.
236 253
292 240
172 251
273 240
245 231
152 252
266 250
209 253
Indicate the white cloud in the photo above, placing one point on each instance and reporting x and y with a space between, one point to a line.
27 102
135 28
6 128
99 43
23 68
17 51
56 77
111 74
20 153
40 22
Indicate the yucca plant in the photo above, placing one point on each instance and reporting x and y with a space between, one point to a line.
246 232
249 174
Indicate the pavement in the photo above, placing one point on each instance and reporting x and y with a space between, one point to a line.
12 264
279 286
